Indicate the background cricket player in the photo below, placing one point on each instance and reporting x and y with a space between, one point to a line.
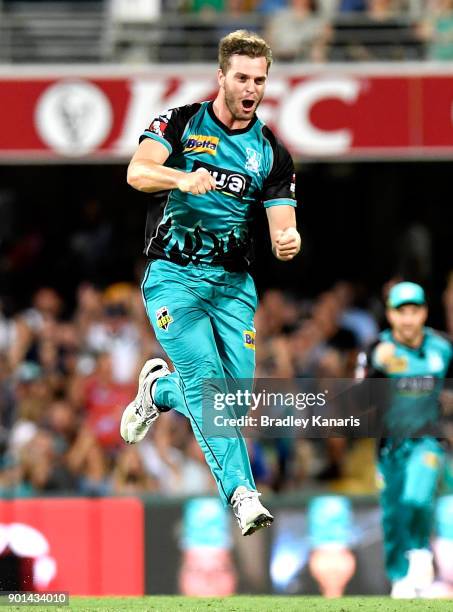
211 165
417 359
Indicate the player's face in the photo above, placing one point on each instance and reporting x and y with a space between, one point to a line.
407 321
243 85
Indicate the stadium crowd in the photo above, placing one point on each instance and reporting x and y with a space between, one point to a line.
326 30
188 30
66 377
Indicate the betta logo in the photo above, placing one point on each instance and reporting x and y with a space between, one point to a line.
249 339
164 318
202 144
231 183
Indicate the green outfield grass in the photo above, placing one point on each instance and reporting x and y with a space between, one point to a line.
243 604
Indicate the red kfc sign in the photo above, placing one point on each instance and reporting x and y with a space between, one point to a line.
336 111
83 546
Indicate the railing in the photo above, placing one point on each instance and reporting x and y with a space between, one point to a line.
89 31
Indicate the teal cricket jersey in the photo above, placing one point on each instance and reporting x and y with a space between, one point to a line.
417 377
251 169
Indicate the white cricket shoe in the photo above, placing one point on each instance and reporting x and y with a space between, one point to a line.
142 411
420 575
403 589
421 569
249 511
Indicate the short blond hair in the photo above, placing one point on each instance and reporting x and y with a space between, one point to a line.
242 42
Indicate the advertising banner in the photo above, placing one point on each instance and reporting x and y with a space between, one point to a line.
81 546
330 112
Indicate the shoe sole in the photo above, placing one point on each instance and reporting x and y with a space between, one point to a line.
263 520
127 418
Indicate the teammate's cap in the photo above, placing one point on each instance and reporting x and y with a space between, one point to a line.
406 293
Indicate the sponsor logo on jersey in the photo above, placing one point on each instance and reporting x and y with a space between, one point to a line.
197 143
159 125
431 460
253 161
249 339
163 318
227 181
292 187
396 365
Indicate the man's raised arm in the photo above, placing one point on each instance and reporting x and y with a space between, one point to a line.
286 241
146 172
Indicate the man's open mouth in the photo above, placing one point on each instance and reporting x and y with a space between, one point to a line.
247 104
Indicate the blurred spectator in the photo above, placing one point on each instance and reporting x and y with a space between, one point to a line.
272 357
380 33
207 8
436 30
116 333
103 400
355 317
41 469
33 323
81 453
129 475
32 396
352 6
298 32
269 7
176 460
61 401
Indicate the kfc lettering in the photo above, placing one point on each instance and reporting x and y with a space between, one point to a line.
338 111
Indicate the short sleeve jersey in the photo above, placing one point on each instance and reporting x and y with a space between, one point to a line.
251 169
417 377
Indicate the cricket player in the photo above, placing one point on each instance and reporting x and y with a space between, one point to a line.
212 165
417 360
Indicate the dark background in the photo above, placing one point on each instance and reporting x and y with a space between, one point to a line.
355 220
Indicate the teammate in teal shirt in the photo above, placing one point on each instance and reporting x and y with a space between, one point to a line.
211 166
417 360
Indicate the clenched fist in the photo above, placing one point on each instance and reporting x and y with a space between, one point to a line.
287 244
197 183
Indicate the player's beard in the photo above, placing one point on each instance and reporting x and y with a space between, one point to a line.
233 103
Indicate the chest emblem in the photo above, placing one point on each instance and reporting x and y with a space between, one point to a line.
253 161
435 362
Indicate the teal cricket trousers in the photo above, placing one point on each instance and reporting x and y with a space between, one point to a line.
203 319
410 474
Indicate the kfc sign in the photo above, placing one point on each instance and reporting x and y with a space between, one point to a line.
75 545
336 111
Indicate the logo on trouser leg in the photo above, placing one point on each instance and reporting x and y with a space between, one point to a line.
249 339
163 318
431 460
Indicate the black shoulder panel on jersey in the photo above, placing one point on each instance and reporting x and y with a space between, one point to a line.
171 125
278 182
